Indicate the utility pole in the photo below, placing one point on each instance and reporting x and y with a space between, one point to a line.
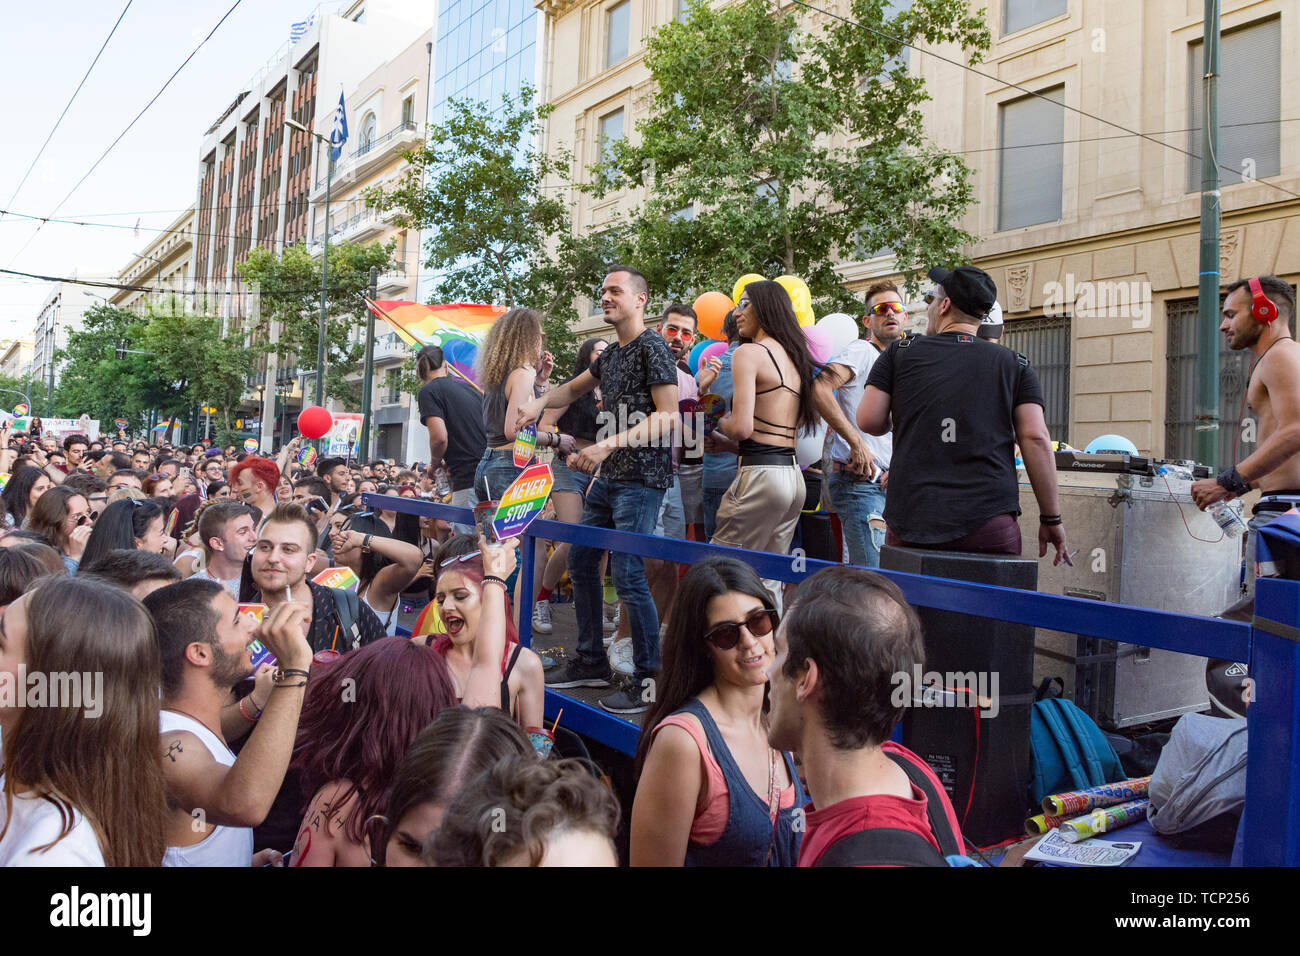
368 374
1207 303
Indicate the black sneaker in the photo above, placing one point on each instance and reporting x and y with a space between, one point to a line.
578 674
625 700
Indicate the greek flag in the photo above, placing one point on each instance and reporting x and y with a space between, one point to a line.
339 134
299 29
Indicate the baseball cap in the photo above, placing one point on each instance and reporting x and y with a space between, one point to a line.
991 324
972 290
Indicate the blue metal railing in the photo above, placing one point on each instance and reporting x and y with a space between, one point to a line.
1271 646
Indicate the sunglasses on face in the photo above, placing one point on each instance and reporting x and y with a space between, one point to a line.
882 308
672 333
743 303
932 295
760 622
82 518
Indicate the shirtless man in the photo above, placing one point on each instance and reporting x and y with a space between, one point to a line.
1259 319
773 377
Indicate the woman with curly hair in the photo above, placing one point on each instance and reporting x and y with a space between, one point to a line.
25 487
512 367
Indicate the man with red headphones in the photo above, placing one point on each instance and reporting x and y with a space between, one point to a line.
1257 315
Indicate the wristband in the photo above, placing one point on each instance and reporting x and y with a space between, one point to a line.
493 577
1230 479
1049 520
282 673
244 713
365 542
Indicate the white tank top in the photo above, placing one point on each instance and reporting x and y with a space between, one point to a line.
386 618
224 846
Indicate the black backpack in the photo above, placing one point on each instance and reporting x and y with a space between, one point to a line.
888 846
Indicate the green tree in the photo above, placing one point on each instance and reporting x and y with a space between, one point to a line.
493 232
289 287
798 141
93 380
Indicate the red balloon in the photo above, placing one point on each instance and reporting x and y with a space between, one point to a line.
314 422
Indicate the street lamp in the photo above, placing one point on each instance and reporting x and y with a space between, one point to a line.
324 260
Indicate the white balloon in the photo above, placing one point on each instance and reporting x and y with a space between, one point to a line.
841 328
809 449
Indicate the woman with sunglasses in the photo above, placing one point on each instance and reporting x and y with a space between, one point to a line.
62 517
383 564
710 790
772 373
157 485
472 612
134 523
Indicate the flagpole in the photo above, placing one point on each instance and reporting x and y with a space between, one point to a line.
376 307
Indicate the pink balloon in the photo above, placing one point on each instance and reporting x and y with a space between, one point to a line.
819 343
717 348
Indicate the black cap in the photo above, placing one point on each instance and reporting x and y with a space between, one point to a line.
972 290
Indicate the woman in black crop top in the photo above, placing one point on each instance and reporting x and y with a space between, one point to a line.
773 376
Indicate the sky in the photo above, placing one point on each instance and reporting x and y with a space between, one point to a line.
150 176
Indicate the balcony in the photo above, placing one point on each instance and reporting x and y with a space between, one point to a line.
366 158
367 224
390 348
396 281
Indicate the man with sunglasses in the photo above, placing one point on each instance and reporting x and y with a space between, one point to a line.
860 462
958 406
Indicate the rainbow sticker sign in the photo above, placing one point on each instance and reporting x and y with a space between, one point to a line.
21 409
307 456
4 480
713 407
523 501
250 445
260 655
525 442
121 423
344 578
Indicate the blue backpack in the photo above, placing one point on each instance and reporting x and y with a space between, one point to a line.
1069 751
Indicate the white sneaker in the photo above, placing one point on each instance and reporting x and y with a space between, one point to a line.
620 657
542 617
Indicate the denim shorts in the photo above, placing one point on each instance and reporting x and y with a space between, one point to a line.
566 479
496 470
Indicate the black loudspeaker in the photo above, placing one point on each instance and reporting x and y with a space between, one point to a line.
984 768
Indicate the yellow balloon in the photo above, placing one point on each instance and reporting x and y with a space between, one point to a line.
743 281
800 298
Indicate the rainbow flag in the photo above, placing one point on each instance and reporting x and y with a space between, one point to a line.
457 328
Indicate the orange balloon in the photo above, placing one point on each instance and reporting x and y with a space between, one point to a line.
711 308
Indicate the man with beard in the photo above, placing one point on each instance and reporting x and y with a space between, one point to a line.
213 798
859 461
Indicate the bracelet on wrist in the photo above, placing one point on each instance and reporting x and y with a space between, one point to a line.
281 674
243 713
1231 481
493 577
1049 520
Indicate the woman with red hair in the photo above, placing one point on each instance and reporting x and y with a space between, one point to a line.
361 713
480 629
254 481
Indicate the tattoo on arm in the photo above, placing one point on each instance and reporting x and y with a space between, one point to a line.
173 749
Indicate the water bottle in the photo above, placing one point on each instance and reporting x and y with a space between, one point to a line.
1227 518
442 482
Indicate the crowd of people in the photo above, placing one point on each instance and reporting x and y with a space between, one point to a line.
260 716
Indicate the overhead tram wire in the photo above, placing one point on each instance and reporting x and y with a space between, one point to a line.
129 287
1005 84
40 152
129 125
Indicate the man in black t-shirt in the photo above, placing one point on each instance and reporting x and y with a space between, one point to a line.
959 405
638 386
452 411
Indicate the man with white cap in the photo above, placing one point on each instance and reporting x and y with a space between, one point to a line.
991 327
957 408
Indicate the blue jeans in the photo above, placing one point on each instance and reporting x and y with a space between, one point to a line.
623 506
856 502
495 471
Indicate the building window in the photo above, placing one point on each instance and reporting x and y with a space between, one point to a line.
1019 14
1250 104
683 10
685 214
1030 160
1180 390
892 9
408 112
611 130
367 140
392 387
618 29
1046 343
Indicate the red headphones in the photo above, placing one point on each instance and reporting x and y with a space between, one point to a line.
1263 310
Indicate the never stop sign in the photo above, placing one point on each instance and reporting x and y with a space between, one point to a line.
523 501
